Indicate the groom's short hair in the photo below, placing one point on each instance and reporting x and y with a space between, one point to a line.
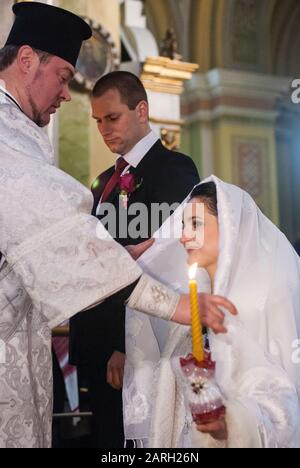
129 86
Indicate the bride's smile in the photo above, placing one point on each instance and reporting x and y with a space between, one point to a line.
200 235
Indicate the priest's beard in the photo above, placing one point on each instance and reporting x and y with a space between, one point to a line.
36 115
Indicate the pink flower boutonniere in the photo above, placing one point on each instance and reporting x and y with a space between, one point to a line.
127 186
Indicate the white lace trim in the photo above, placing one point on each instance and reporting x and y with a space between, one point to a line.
151 297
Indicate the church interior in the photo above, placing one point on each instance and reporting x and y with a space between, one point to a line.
219 74
221 77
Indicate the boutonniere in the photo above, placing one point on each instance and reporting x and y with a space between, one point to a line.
128 184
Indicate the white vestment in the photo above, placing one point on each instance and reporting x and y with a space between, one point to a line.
258 361
59 260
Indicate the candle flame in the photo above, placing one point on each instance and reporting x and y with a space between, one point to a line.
193 271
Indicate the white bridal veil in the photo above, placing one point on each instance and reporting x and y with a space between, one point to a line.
258 361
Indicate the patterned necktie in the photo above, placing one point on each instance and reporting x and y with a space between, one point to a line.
114 180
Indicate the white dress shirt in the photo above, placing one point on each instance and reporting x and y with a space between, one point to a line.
136 154
139 151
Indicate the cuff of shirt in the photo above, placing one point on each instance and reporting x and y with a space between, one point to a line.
153 298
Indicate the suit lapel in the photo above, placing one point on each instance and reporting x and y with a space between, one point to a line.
150 160
112 196
99 186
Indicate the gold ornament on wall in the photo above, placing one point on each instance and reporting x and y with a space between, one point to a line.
169 46
170 138
99 56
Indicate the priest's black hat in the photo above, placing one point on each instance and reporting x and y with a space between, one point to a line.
49 29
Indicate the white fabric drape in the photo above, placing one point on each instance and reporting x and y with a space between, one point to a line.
258 366
59 260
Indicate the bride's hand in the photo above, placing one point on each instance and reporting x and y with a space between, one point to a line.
217 429
211 314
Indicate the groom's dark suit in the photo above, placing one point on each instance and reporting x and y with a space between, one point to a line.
164 177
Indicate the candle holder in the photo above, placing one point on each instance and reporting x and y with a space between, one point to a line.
202 393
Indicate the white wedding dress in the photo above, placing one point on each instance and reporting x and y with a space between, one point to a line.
258 361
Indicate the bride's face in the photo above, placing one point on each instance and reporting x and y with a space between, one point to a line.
200 236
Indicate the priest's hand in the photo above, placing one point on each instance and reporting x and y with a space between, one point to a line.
136 251
115 370
211 314
217 429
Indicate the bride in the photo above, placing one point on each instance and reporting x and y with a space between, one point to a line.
245 258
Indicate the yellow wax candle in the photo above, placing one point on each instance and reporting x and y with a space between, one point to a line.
197 339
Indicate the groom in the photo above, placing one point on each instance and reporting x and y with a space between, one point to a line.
154 175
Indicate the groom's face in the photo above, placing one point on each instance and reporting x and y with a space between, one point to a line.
120 127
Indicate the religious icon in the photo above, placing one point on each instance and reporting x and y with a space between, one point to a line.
98 56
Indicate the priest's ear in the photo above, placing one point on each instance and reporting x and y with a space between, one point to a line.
28 61
143 112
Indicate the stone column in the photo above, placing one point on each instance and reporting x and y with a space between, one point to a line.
231 118
164 81
82 152
288 162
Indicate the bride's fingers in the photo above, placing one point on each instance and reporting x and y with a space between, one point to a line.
213 310
217 429
223 302
210 427
215 320
217 327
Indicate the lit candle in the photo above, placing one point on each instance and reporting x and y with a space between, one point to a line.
197 339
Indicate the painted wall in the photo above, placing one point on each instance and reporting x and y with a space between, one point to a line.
82 152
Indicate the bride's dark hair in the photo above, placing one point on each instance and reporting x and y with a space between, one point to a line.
208 193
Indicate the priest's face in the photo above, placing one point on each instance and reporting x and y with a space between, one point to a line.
120 127
200 235
48 88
